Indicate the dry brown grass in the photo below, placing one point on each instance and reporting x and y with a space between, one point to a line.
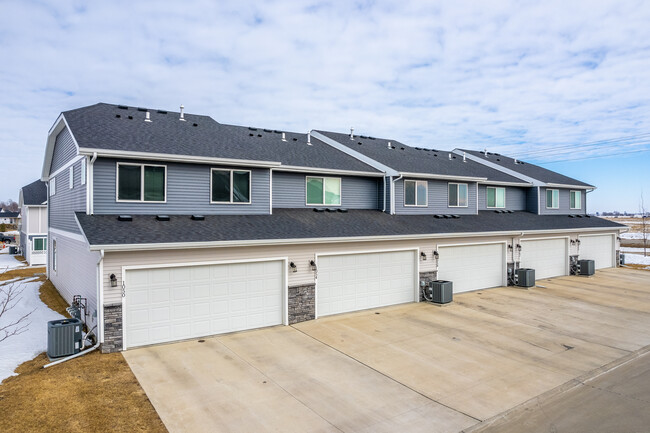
21 259
93 393
639 267
51 297
22 273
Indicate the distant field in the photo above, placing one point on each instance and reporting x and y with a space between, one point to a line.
634 237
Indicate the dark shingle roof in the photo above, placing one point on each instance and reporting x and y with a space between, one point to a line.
7 214
97 127
305 223
404 158
35 193
527 169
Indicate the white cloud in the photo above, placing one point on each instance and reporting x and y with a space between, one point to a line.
506 75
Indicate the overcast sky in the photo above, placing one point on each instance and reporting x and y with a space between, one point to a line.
538 80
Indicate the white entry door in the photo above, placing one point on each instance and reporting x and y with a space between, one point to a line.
472 267
175 303
598 248
351 282
547 256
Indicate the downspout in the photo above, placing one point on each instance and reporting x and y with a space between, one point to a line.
392 194
383 179
91 184
100 316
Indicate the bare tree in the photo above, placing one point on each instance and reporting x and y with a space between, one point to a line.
10 295
9 205
644 226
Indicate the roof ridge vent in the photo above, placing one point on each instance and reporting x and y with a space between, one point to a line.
182 118
125 218
351 133
147 116
284 137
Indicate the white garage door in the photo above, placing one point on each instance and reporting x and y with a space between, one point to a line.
599 248
472 267
354 282
176 303
547 256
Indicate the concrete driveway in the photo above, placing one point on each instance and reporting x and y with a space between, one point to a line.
414 367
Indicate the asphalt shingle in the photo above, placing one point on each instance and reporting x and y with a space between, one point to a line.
35 193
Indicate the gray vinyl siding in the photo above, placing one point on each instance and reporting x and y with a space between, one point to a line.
64 150
65 202
437 199
289 191
532 200
515 197
564 207
23 243
76 272
188 191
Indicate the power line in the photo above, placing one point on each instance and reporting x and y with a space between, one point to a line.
594 157
588 144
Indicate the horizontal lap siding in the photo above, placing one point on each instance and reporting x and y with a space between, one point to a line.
64 150
65 202
515 198
188 191
76 272
532 200
564 203
356 192
437 199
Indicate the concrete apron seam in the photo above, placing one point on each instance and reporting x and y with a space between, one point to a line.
582 380
385 375
278 385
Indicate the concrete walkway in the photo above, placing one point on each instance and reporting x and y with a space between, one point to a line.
414 367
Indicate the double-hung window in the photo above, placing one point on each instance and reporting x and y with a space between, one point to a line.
415 192
230 186
141 182
39 244
576 199
457 195
496 197
324 191
552 199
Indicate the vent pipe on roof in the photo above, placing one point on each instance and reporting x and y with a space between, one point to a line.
516 161
284 137
351 133
464 160
450 156
147 116
389 145
182 114
309 138
485 151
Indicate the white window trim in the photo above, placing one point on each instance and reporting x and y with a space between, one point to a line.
52 186
495 197
426 196
557 205
142 200
250 186
71 177
579 193
83 171
457 194
323 178
33 243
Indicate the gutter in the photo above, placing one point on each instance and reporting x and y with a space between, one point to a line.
91 184
392 193
258 242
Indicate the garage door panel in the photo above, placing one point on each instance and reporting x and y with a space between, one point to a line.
472 267
351 282
599 248
166 304
547 256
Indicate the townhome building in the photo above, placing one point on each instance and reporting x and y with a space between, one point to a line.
174 226
33 229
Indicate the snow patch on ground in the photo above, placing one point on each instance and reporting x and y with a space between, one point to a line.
20 348
633 250
7 261
634 235
637 259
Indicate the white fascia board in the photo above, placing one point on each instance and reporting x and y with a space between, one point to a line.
260 242
496 182
58 126
109 153
563 185
291 168
442 176
353 153
505 170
